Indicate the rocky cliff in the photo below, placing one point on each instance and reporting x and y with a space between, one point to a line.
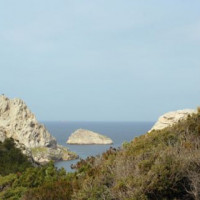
18 122
82 136
171 118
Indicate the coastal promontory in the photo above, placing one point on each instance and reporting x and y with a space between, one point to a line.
171 118
82 136
19 123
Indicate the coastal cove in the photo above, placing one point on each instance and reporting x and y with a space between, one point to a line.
119 132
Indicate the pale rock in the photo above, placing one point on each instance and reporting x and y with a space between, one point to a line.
2 134
21 124
171 118
18 122
82 136
45 154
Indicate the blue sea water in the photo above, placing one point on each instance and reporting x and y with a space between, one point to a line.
119 132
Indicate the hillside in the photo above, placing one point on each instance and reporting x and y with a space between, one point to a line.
18 122
162 164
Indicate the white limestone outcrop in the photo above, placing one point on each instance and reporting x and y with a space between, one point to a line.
82 136
18 122
2 134
171 118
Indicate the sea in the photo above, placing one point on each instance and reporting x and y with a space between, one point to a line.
119 132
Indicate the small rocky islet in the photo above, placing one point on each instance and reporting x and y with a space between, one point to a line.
83 136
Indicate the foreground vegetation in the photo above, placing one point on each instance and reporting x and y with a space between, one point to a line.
11 158
161 164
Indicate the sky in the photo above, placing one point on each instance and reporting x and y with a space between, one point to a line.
101 60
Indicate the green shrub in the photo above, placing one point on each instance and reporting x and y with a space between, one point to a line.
11 158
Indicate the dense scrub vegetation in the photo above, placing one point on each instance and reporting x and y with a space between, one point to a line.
159 165
11 158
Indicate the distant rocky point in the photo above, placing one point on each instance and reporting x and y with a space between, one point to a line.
82 136
19 123
171 118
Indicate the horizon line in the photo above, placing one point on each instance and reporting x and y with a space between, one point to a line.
91 121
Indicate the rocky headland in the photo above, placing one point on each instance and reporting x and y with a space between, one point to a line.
171 118
19 123
82 136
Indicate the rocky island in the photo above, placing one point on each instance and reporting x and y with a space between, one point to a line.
82 136
19 123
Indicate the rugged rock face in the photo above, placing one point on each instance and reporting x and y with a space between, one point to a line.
45 154
170 118
2 134
82 136
18 122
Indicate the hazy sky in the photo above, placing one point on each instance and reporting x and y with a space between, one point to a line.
101 60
